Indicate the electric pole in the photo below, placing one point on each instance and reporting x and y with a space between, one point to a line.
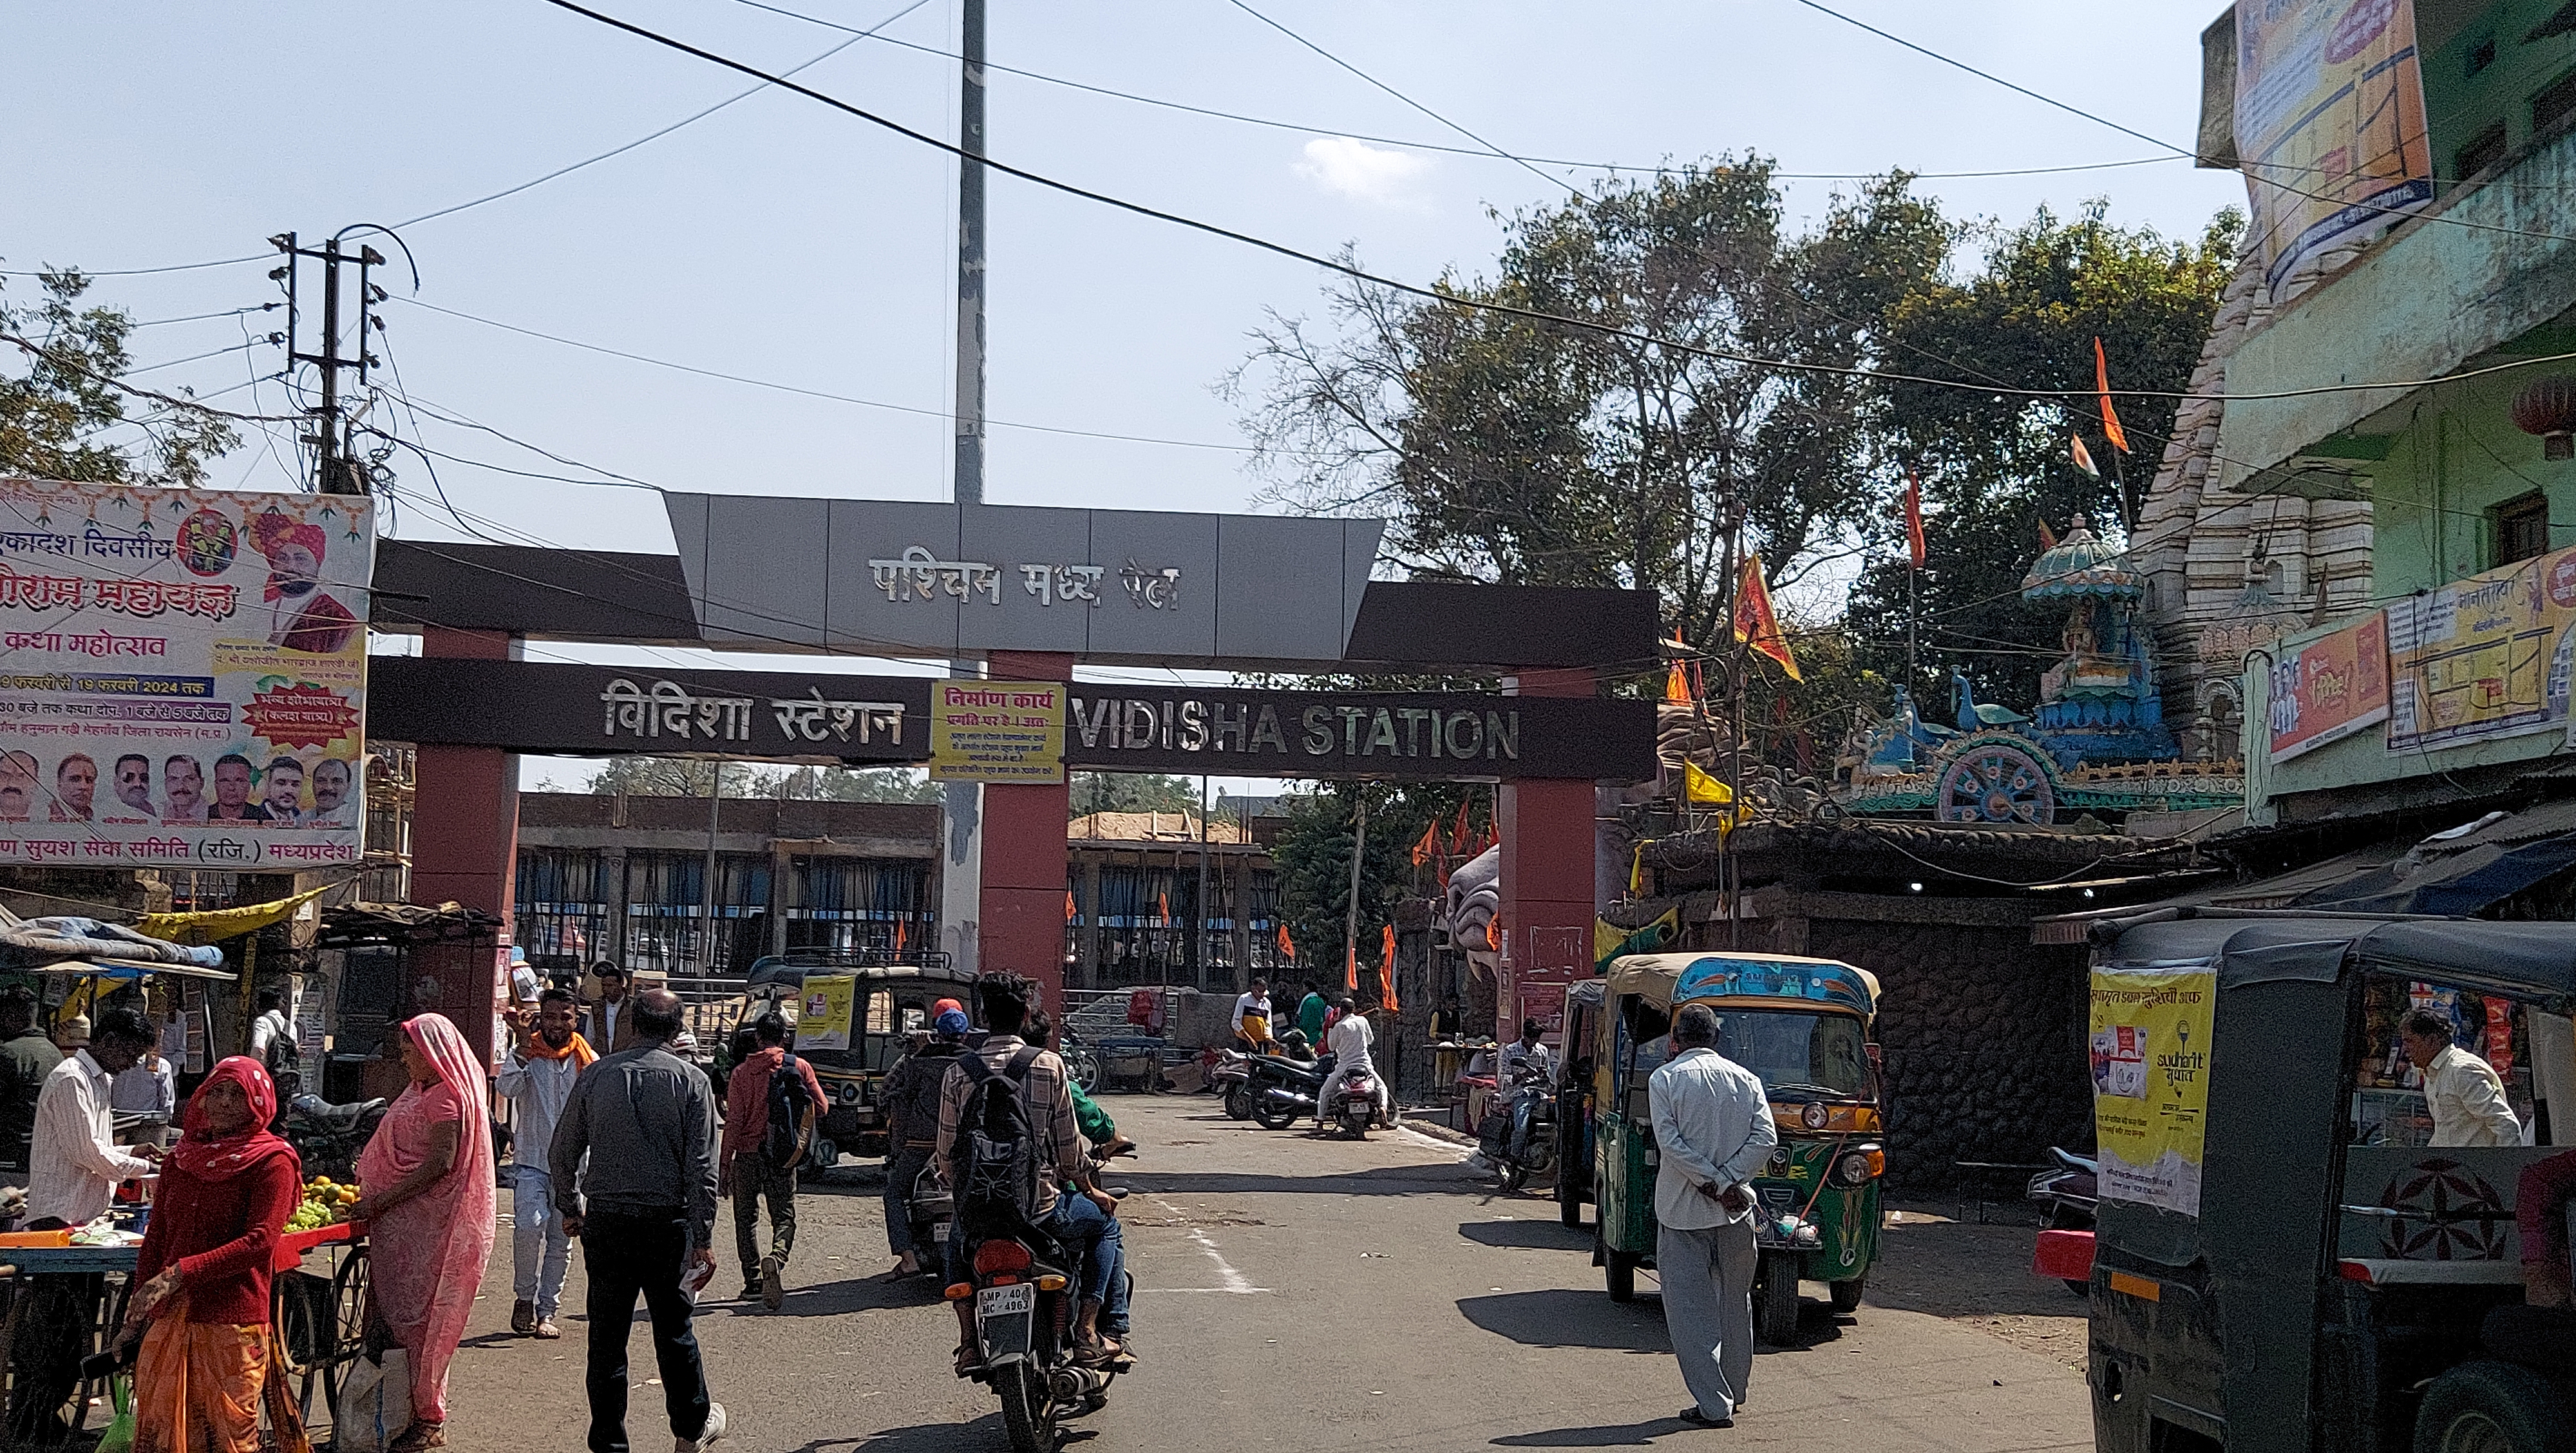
335 471
961 877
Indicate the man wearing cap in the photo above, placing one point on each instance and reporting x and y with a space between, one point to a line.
912 1123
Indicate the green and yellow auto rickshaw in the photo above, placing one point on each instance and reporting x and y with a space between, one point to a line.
1802 1025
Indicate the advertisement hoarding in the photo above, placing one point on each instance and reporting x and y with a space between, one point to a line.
2483 658
2149 1039
182 676
2330 125
2328 689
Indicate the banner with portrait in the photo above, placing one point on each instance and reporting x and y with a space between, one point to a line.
182 676
2329 123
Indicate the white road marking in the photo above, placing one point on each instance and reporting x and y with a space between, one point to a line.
1228 1279
1433 1142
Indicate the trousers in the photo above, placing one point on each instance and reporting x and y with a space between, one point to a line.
1707 1277
1090 1233
540 1252
753 1180
627 1255
1341 1073
903 1167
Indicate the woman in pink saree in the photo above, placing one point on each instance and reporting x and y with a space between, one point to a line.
425 1183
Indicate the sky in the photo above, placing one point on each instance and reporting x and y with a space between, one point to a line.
781 240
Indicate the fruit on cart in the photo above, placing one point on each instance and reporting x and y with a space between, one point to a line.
325 1203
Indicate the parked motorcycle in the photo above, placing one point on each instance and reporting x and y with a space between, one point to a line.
2067 1194
1518 1134
328 1137
1024 1310
1231 1082
1283 1091
1355 1105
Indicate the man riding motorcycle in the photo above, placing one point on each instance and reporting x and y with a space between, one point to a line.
1071 1208
1349 1040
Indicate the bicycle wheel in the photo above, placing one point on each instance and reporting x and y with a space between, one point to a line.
347 1328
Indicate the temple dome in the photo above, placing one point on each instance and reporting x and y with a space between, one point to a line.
2081 564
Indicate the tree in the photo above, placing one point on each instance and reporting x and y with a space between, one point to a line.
1994 467
1506 449
1090 792
1313 858
854 784
60 418
688 777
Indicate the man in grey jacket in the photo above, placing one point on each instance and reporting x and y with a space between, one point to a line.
644 1208
1713 1131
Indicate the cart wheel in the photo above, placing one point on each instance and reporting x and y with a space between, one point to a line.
1619 1270
348 1325
302 1340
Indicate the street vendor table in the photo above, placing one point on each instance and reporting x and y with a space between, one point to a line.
318 1301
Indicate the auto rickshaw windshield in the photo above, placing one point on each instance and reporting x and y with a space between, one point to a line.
1792 1050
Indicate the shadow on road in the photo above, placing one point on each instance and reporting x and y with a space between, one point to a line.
1559 1317
1623 1435
1531 1235
1953 1269
832 1298
1388 1180
985 1431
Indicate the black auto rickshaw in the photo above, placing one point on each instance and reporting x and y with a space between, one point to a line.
1802 1025
883 1002
2283 1263
1583 1006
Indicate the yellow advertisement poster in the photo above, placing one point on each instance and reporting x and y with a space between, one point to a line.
2484 657
2329 123
2150 1052
997 731
823 1009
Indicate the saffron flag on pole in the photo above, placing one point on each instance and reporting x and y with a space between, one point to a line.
2084 457
1351 968
1386 973
2047 536
1914 517
898 935
1429 848
1163 904
1458 838
2102 385
1756 624
1287 950
1071 910
1677 682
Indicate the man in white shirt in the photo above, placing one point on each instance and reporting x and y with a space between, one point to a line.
1713 1131
1527 1050
1252 1015
272 1034
1349 1040
538 1081
76 1165
2462 1090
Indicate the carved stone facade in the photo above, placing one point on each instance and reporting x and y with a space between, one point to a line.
2231 571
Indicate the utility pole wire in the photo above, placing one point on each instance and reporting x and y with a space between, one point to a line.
1452 299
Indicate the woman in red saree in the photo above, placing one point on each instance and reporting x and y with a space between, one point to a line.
425 1183
209 1349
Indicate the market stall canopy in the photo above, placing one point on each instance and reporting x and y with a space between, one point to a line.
2520 960
213 925
379 925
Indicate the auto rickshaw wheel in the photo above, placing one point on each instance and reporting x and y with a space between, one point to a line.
1619 1270
1569 1208
1775 1302
1846 1294
2488 1406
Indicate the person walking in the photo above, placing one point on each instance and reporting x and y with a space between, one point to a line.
770 1104
272 1035
425 1196
1252 1018
1311 1013
911 1094
210 1362
548 1057
644 1210
2462 1091
608 1027
1713 1130
27 1056
75 1166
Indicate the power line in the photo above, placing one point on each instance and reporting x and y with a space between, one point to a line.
1476 151
174 401
1454 299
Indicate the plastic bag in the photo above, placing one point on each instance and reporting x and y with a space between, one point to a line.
119 1437
375 1405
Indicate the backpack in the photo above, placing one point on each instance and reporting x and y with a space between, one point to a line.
994 1166
911 1092
791 1117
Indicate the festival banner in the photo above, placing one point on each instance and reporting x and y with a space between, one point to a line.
997 731
182 676
2484 657
825 1006
2329 123
2328 689
2150 1054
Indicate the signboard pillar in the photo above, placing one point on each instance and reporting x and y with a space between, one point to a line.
1546 881
1021 905
465 824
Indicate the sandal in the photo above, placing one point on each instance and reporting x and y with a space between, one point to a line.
419 1437
970 1361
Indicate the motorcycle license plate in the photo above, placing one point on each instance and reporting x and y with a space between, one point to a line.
1005 1301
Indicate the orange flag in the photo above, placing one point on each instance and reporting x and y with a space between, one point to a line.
1386 972
2102 385
1914 518
1677 681
1287 950
1458 839
1071 909
898 935
1163 904
1351 968
1429 848
2047 536
1756 624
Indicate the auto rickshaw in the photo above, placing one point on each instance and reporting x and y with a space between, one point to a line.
887 1001
2282 1262
1801 1024
1583 1006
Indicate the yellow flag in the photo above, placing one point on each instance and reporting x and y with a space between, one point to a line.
1701 787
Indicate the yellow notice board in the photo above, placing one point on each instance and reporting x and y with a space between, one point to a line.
823 1011
2150 1051
2485 657
997 731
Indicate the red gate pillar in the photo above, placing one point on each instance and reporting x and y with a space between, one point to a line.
1022 898
1546 882
465 841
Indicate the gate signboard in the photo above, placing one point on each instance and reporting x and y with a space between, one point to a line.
183 676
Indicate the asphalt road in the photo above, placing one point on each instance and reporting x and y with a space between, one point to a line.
1293 1293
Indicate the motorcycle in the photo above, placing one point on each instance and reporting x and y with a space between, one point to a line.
1231 1081
1518 1135
2067 1195
1355 1105
930 1209
1023 1308
1283 1090
328 1137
